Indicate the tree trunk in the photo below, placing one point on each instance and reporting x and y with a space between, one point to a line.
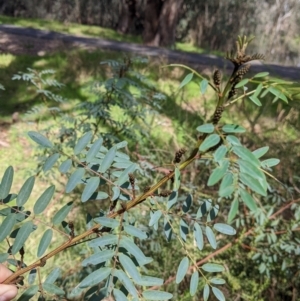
127 16
160 22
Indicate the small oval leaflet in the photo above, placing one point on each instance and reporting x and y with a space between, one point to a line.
217 174
260 151
107 222
119 296
62 213
50 162
93 151
25 191
135 232
270 162
182 269
206 128
155 217
6 182
253 184
212 267
98 257
217 281
65 166
219 295
248 200
255 100
156 295
225 229
209 142
51 278
129 267
203 86
104 240
83 142
90 188
261 74
22 236
53 289
7 225
242 83
186 80
95 277
211 237
198 236
43 201
75 179
233 210
40 139
126 282
44 242
194 283
150 281
108 159
206 292
233 128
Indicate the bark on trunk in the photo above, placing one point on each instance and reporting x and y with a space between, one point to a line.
127 15
160 22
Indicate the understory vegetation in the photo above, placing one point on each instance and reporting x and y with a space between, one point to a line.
137 180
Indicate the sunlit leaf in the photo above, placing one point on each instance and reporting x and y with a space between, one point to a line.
217 281
260 151
186 80
25 191
220 153
209 142
182 269
155 217
129 267
65 166
261 74
6 182
22 236
258 90
206 292
233 210
98 257
107 222
156 295
40 139
44 242
75 179
7 225
194 283
218 174
219 295
90 188
233 140
211 237
198 234
126 282
119 296
43 201
242 83
135 232
278 94
108 160
225 229
270 162
61 214
203 86
233 128
206 128
83 142
105 240
150 281
248 200
93 151
255 100
246 155
253 184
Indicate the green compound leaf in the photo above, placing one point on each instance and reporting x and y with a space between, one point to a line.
62 213
156 295
218 174
194 283
186 80
233 210
261 74
40 139
129 267
75 179
253 184
65 166
126 282
198 234
209 142
212 267
6 182
206 128
107 222
242 83
131 230
95 278
43 201
250 169
246 155
90 188
248 200
278 94
270 162
25 191
83 142
182 269
211 237
50 162
44 242
119 296
53 289
98 257
233 128
206 292
203 86
225 229
22 236
108 159
219 295
7 225
217 281
93 151
260 151
255 100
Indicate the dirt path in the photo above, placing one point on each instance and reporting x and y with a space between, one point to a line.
18 40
